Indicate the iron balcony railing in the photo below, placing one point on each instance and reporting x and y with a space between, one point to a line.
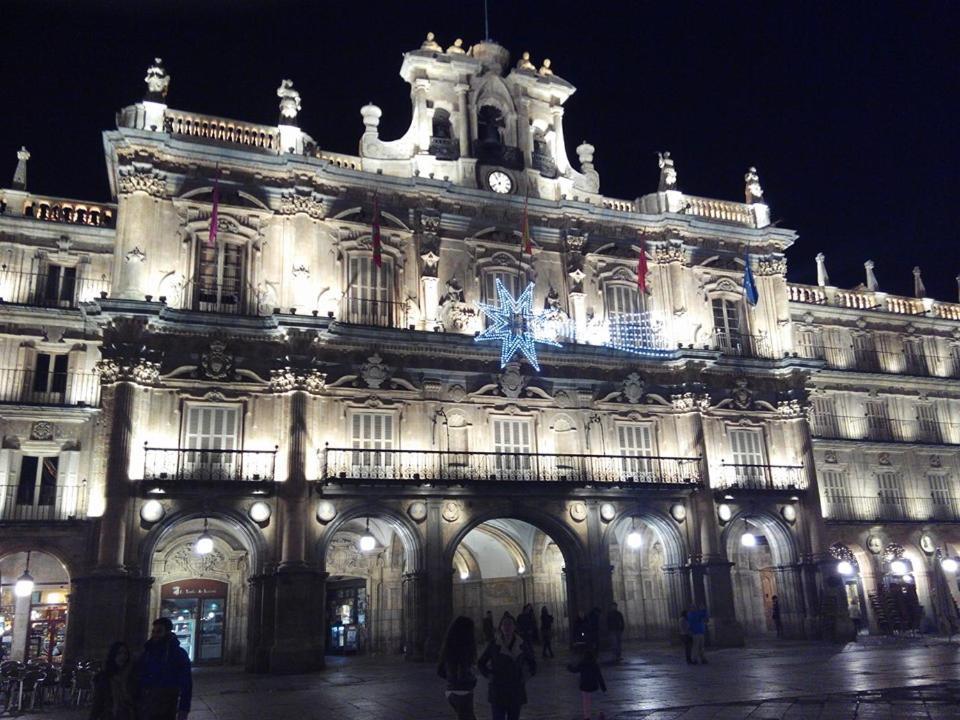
891 508
33 387
762 477
57 287
443 466
741 345
358 310
884 429
209 465
38 503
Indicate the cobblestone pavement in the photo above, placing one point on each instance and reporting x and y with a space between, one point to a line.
870 680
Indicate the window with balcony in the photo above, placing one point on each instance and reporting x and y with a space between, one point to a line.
220 276
211 440
369 298
810 344
621 299
49 381
836 493
890 493
746 446
726 324
928 425
914 358
636 449
878 420
865 352
513 443
942 495
58 285
824 417
955 361
372 438
511 281
37 484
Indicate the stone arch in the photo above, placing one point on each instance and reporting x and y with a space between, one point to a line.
72 561
649 583
399 522
36 626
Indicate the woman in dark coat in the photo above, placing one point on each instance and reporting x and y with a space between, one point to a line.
115 687
458 660
506 663
591 680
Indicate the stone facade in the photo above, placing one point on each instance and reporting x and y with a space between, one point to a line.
303 378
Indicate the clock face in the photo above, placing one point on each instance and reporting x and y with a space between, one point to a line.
500 182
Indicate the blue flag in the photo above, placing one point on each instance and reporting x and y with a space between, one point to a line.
749 285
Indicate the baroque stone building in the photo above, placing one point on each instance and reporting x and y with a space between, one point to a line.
254 393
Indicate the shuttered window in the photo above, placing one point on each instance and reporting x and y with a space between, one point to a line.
726 323
621 299
372 435
512 441
636 449
940 489
824 416
928 426
510 281
878 421
748 458
220 276
890 491
210 428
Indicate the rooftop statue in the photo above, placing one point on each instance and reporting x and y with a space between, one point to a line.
668 172
524 63
752 188
545 68
158 82
457 47
289 102
431 44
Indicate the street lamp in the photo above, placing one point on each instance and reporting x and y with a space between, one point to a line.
949 564
204 543
24 585
845 567
367 541
748 539
634 539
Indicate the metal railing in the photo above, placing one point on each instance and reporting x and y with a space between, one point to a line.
19 503
444 148
904 509
742 345
884 429
762 477
56 288
358 310
29 387
429 465
212 465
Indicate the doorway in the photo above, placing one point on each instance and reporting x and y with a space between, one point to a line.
198 609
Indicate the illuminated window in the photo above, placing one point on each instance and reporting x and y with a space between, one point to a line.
37 484
621 299
220 276
726 323
512 441
369 294
372 431
636 449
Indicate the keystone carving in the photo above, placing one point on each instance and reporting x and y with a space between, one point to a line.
138 179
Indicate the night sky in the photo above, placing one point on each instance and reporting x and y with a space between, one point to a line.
849 110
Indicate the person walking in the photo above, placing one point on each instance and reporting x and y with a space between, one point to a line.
775 614
686 638
506 663
616 626
697 618
527 623
166 685
591 680
546 631
115 687
458 660
488 628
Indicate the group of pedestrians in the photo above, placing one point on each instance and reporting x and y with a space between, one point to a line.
693 633
156 686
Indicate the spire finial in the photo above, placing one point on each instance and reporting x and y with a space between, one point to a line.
872 284
20 174
919 291
822 278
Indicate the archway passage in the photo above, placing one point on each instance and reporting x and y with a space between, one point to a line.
647 584
366 562
33 615
203 588
505 565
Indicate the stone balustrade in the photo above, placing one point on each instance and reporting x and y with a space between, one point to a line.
867 300
221 130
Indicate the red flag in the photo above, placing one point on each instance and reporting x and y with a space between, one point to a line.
375 235
214 214
525 239
642 269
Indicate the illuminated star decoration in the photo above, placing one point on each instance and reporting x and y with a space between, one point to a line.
515 324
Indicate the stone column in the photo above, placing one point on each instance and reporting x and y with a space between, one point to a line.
431 301
21 623
463 121
298 636
116 434
105 607
260 625
578 308
597 575
424 124
439 583
414 615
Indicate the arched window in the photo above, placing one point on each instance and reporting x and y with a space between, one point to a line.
443 145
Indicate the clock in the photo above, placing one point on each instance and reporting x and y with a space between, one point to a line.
500 182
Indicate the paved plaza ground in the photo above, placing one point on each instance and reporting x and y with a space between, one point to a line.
872 679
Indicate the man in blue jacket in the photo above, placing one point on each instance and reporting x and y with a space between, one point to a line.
697 617
166 685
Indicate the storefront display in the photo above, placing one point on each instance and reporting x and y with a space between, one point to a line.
198 610
346 617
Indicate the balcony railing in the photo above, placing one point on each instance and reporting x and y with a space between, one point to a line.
19 503
882 429
30 387
441 466
366 311
903 509
59 287
180 464
762 477
740 345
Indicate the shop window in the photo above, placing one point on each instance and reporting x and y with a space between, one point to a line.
512 442
369 294
37 486
636 449
372 432
220 276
